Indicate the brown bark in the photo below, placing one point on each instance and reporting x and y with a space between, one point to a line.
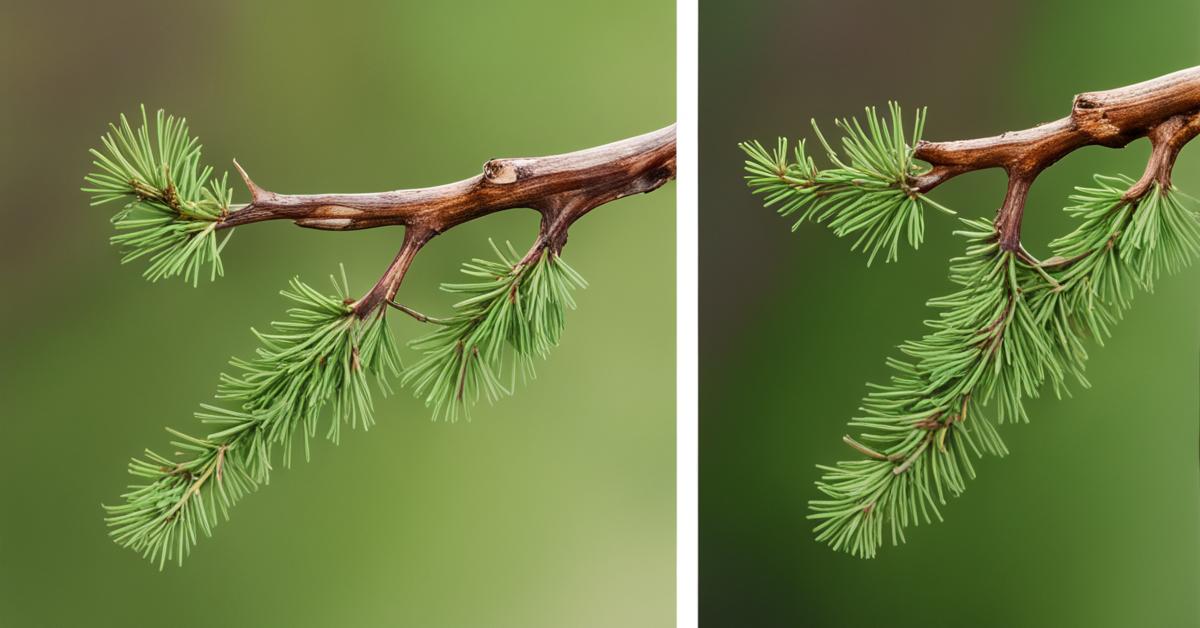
1165 109
562 188
546 184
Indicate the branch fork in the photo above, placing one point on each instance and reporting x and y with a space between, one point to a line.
1165 109
562 188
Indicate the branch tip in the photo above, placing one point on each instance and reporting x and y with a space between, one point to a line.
256 193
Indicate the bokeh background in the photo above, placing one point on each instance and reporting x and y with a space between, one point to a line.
1094 520
553 508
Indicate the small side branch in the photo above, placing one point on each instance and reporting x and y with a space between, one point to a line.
385 289
939 174
1012 211
1166 140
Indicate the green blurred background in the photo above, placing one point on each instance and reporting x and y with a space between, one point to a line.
553 508
1094 520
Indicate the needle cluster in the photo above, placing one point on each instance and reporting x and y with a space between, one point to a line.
866 194
171 204
318 358
1013 325
510 313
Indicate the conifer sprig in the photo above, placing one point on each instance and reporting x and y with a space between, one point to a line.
1119 245
923 425
511 313
319 357
869 194
172 204
1013 324
1014 321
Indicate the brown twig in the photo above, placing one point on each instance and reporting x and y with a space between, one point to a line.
562 188
385 289
1165 109
1166 140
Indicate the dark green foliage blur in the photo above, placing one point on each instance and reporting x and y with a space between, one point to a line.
551 508
1094 517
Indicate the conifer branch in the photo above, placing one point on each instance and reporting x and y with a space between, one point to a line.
316 361
1014 323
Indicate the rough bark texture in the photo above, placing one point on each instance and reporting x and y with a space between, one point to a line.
562 188
546 184
1165 109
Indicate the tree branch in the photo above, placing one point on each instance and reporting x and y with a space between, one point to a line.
637 164
385 289
562 188
1166 140
1165 109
